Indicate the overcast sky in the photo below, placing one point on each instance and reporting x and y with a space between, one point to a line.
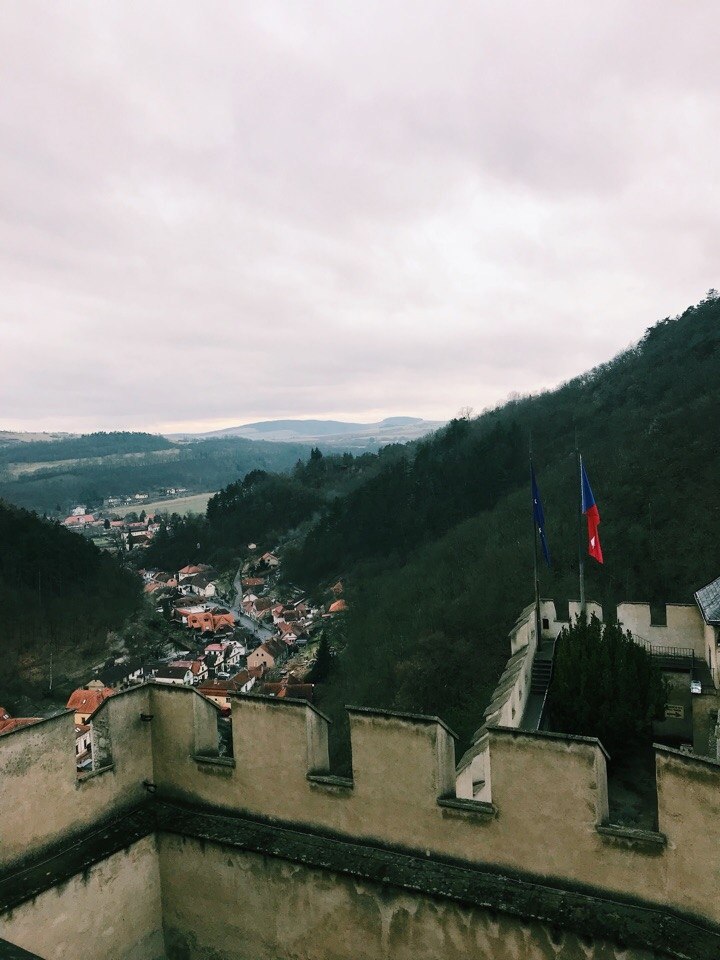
219 212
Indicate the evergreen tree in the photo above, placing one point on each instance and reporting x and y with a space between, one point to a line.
605 685
323 660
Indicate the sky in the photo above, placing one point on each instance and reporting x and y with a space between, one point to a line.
219 212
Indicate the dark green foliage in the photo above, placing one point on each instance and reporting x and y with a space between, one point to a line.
57 592
413 499
178 542
99 444
203 465
261 508
605 685
323 660
429 616
258 509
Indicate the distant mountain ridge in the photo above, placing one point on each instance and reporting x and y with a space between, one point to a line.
333 432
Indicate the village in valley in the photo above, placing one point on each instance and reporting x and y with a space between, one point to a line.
225 636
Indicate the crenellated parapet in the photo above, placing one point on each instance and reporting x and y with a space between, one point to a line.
545 816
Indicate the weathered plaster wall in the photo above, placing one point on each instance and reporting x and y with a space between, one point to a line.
41 797
685 626
549 795
279 909
547 819
112 911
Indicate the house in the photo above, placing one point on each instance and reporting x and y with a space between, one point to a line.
287 630
267 655
198 668
252 582
85 702
78 521
8 724
270 560
169 579
120 674
208 621
174 676
338 606
201 584
83 746
288 687
221 691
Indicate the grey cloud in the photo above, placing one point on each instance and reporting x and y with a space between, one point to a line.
214 212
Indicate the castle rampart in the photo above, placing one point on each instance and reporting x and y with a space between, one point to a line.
545 823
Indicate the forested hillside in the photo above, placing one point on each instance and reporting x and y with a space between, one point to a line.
100 444
263 507
434 538
59 596
427 626
52 476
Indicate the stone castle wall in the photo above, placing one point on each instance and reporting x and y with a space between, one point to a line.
545 823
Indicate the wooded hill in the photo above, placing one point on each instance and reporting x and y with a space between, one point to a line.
51 476
59 596
435 543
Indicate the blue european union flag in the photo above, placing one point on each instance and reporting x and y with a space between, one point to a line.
539 516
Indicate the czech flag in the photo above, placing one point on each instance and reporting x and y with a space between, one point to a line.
589 508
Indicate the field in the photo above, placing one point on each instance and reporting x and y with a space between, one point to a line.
196 503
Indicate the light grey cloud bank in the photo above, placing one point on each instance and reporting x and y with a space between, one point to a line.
215 212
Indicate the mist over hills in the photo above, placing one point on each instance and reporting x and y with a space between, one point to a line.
50 472
335 433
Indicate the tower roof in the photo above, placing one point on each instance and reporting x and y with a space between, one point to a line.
708 599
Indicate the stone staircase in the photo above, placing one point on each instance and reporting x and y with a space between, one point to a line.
540 677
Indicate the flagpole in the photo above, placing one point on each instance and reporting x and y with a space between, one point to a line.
581 545
536 576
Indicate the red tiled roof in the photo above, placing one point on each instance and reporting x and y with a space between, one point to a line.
14 723
87 701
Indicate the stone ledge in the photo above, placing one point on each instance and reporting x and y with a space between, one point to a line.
588 911
472 808
84 777
632 838
226 762
331 782
58 863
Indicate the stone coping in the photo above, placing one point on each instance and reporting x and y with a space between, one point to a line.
687 757
214 760
281 701
632 836
331 781
548 735
24 880
585 910
560 903
475 808
399 715
84 777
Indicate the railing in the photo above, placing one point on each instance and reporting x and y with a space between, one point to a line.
683 657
